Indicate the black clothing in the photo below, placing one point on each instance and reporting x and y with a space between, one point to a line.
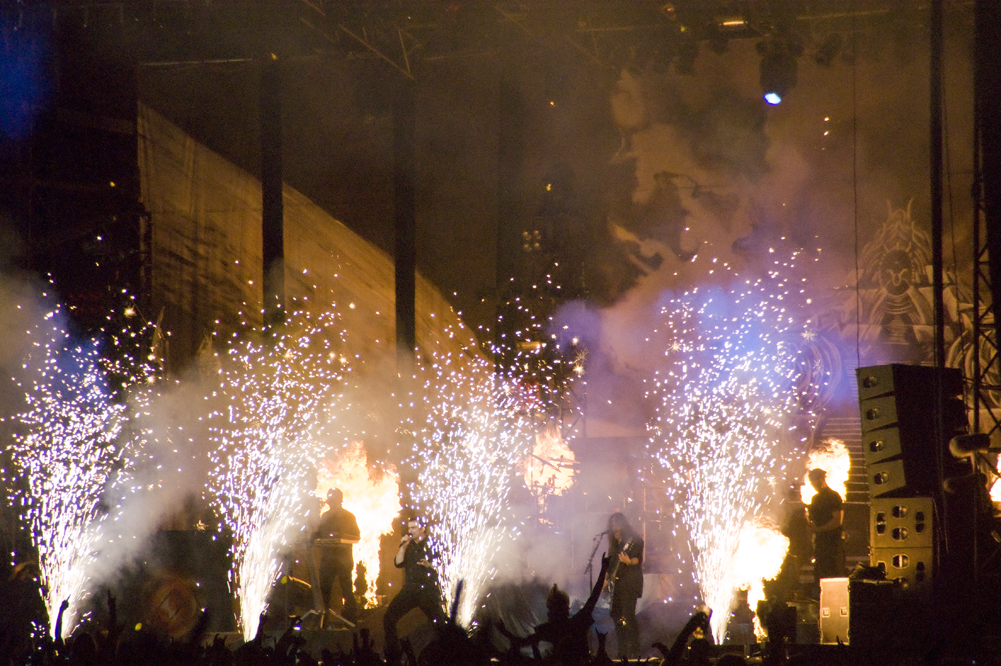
23 606
627 588
627 633
824 505
797 529
626 577
420 590
336 563
425 597
827 548
414 573
338 523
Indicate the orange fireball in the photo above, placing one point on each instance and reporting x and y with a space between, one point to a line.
373 496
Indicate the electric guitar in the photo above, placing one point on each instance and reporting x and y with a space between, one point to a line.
613 571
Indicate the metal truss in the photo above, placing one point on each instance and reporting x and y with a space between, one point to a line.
609 34
985 387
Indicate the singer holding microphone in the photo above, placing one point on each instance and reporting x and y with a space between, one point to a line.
420 586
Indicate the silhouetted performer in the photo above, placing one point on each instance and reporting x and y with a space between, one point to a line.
420 587
826 512
625 578
796 528
567 635
337 531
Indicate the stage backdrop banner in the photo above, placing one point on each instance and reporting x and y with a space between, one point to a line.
206 255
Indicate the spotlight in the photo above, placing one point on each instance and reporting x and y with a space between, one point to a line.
778 68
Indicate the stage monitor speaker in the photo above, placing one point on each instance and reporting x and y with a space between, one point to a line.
834 615
878 380
901 522
911 567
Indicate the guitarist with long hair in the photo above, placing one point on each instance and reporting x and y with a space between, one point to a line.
625 582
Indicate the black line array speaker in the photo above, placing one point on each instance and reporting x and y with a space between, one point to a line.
906 522
879 380
897 404
910 567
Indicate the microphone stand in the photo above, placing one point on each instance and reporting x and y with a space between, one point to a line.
589 569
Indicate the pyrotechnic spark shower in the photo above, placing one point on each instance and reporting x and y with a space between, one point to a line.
282 401
70 443
722 398
477 427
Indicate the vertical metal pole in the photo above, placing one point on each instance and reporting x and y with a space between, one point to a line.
936 179
405 225
935 151
405 254
272 212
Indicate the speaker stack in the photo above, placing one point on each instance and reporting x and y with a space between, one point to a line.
902 538
898 404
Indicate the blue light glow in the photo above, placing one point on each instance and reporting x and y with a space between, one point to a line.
773 98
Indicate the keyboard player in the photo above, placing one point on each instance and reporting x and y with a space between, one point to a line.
332 540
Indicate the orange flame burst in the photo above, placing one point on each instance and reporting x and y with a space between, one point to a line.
551 464
761 550
833 459
996 492
374 499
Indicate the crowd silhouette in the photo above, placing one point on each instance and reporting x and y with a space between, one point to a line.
562 640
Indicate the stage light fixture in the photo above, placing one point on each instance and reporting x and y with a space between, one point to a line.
778 68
